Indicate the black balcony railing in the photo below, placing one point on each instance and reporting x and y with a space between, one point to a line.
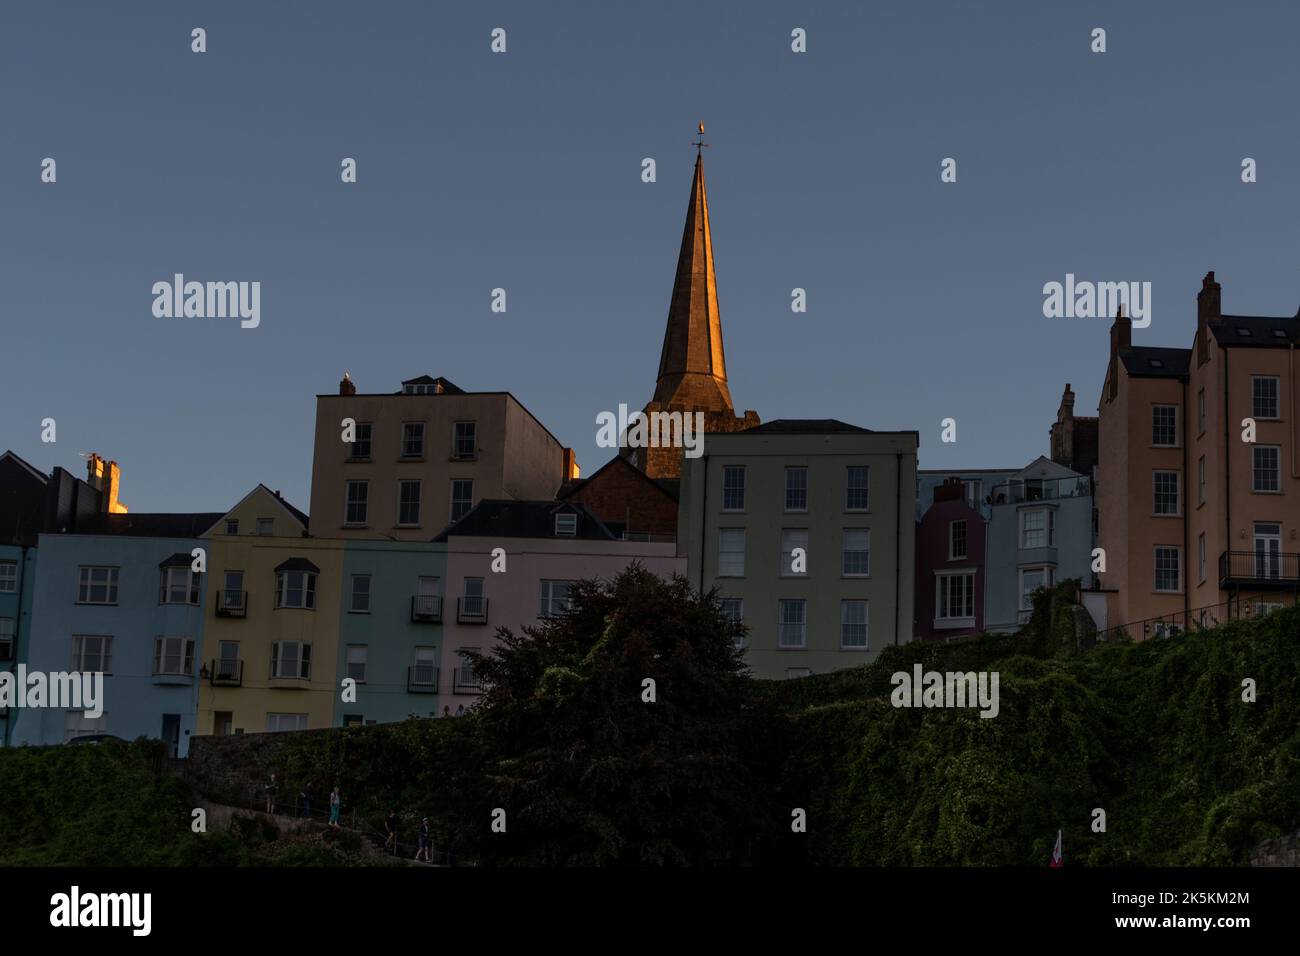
1259 569
472 609
426 608
226 673
422 679
1040 489
232 603
465 680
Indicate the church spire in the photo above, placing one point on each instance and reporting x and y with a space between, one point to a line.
692 369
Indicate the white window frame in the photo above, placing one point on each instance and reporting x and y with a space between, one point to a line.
8 638
467 501
952 539
1277 397
8 577
457 439
104 653
1026 602
782 623
792 471
352 593
1155 493
554 598
301 661
308 590
1178 558
728 568
276 720
1255 470
1154 408
846 551
176 647
738 618
191 588
792 538
943 599
1200 480
86 583
368 428
731 470
402 485
566 525
77 724
356 655
845 604
413 435
865 490
1200 555
1048 529
361 503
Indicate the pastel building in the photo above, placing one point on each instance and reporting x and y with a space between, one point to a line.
1198 485
22 504
122 600
1040 532
421 457
806 529
547 545
391 630
950 565
272 620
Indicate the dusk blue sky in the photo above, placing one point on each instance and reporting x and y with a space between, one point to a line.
522 171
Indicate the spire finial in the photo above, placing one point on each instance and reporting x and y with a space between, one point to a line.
700 144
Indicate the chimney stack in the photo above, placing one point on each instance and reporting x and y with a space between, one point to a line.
106 478
346 387
951 490
1209 308
1121 333
571 470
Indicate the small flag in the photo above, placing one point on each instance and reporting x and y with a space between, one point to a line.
1057 859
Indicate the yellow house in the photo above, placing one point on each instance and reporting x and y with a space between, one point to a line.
271 632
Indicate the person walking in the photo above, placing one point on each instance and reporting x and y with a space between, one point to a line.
446 710
460 711
304 799
336 804
424 850
272 789
390 827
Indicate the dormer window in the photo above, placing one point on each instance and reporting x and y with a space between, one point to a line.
566 525
1245 332
418 389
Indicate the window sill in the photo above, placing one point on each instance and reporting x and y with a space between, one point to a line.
854 648
350 611
1277 492
96 603
801 647
358 461
953 623
293 607
855 577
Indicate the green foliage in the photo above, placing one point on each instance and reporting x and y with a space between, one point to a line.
1154 733
106 804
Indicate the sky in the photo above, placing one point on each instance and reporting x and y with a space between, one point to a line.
522 171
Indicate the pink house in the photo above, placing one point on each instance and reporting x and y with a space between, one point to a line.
510 564
950 566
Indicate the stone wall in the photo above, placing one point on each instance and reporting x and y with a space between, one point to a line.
1280 851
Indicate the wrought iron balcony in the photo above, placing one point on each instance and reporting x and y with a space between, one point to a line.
1266 571
232 603
426 608
422 679
226 673
472 610
466 681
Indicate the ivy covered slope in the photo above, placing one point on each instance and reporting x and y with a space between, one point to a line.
1155 734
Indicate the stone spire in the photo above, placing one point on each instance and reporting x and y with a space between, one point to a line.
692 369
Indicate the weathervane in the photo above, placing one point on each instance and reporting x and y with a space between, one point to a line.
700 145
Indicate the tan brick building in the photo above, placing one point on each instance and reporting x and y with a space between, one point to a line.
1198 522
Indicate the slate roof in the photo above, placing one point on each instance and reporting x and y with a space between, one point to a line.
150 525
505 518
806 426
1257 331
1145 361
